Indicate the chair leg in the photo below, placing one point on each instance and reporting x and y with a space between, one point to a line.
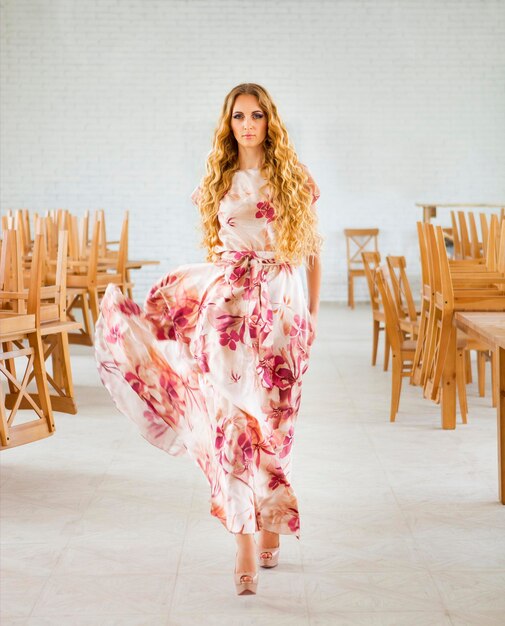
376 328
461 383
4 426
387 349
94 304
39 368
481 372
396 386
469 377
494 378
350 291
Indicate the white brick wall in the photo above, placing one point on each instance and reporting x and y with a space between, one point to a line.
112 104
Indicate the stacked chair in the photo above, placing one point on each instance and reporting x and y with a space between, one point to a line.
43 282
33 325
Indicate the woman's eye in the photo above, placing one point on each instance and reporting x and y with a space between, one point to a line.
257 116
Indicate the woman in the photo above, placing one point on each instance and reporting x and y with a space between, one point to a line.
213 364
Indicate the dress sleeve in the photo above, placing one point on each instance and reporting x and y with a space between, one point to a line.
314 189
195 195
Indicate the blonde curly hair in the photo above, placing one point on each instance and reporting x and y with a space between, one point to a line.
293 192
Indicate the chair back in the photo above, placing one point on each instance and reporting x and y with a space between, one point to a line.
358 240
402 292
371 261
393 329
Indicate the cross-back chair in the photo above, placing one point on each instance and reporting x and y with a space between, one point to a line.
358 240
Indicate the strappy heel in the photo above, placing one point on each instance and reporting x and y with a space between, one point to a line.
268 557
245 587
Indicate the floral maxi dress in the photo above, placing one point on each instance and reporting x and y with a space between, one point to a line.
213 363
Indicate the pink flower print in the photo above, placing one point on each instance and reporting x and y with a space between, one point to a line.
265 370
129 308
181 315
235 377
262 447
245 444
300 326
203 362
287 443
157 426
294 523
169 383
219 438
278 478
276 414
114 334
229 339
282 376
141 388
237 273
266 210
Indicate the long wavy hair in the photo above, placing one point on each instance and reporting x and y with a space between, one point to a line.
291 188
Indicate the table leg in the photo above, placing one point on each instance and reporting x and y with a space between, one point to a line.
448 391
501 423
429 212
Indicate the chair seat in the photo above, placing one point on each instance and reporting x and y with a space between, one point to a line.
379 316
356 272
12 322
409 345
54 327
49 312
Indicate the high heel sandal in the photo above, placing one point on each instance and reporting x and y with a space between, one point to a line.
245 587
268 557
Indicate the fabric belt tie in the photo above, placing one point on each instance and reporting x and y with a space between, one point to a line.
247 270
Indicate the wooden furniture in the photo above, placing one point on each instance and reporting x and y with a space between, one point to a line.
17 324
106 253
371 261
463 291
357 241
86 283
490 328
402 350
402 292
430 208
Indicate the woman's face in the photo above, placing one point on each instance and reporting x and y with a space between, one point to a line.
248 121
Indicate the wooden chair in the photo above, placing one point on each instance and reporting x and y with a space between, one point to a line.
476 245
427 343
457 292
16 326
357 240
371 261
84 289
53 328
405 305
420 363
402 350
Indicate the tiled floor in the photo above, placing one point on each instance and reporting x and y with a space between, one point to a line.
400 522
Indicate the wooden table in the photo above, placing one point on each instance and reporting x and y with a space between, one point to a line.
430 209
490 328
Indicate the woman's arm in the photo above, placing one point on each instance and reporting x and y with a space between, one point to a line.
313 273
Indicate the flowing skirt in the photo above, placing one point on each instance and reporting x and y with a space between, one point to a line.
212 366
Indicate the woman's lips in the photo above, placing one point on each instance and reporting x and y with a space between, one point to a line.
248 136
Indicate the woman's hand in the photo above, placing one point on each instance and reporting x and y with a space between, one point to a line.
313 323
